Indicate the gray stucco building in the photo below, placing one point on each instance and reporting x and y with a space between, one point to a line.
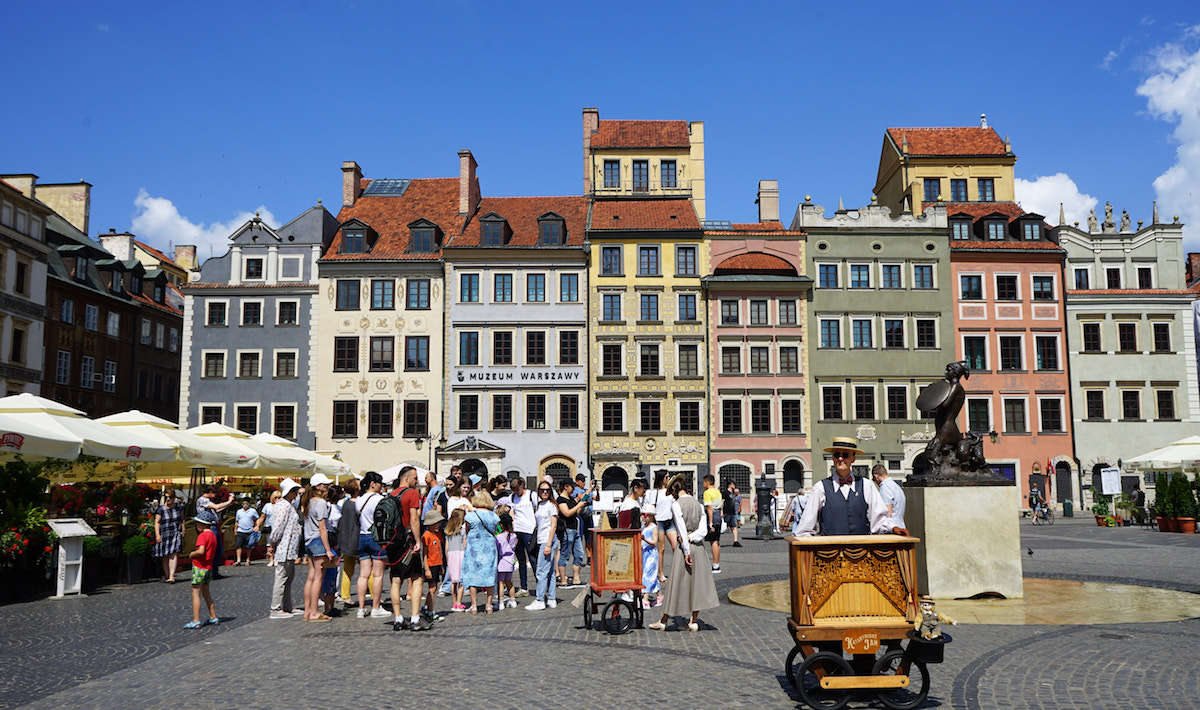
250 330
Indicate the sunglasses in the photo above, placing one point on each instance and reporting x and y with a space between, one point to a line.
544 490
842 454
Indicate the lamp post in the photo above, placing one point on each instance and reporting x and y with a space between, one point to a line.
420 441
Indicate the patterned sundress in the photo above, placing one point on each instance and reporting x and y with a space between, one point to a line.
649 561
171 530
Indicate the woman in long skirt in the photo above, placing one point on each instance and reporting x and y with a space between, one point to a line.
690 587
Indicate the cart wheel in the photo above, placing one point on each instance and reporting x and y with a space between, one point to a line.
618 617
918 681
1049 516
587 613
789 665
808 685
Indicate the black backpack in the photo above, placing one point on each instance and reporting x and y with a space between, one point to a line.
728 502
388 527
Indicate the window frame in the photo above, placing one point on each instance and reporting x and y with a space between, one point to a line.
347 296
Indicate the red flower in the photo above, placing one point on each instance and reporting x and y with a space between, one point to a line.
47 548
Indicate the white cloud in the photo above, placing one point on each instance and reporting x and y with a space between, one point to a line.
1109 58
1172 94
1043 194
157 222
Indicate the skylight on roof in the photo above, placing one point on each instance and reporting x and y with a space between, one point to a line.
390 187
718 224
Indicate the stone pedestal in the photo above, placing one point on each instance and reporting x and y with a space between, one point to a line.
970 540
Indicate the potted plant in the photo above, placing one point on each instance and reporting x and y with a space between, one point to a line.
91 563
1185 506
136 548
1166 504
1124 505
1100 509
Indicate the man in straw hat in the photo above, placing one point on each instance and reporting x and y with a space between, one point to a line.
843 504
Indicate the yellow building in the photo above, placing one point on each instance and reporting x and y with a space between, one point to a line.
648 379
380 316
920 166
644 158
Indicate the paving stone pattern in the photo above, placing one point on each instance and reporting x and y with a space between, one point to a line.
129 644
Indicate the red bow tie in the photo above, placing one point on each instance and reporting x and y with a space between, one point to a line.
846 481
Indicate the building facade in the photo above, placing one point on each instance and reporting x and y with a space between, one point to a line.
23 266
757 297
516 345
381 316
250 330
880 327
1130 339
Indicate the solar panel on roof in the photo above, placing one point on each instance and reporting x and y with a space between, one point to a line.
718 224
392 187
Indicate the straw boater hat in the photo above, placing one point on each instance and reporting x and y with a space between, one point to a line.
844 443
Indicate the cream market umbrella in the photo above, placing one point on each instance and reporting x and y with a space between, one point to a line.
1181 455
221 456
19 436
271 459
324 464
95 439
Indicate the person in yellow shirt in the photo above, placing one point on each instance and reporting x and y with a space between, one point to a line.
712 513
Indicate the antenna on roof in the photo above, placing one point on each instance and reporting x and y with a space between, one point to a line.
983 120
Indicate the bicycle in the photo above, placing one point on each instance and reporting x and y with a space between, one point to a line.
1043 514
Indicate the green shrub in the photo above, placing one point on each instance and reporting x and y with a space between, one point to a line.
136 546
92 545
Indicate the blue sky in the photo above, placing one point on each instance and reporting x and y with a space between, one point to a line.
188 117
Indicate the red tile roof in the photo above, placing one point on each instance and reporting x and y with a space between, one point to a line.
625 215
196 285
1005 244
522 215
975 210
641 134
155 304
1131 292
155 253
966 140
755 263
757 226
434 199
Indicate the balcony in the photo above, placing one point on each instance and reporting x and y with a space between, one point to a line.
651 187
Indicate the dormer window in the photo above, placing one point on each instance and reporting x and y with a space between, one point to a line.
354 242
135 284
1031 231
160 293
81 268
493 234
423 237
118 282
994 229
960 229
551 230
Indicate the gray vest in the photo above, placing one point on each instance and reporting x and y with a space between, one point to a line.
841 516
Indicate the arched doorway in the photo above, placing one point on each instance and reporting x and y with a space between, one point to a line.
558 472
793 477
1062 481
614 478
474 467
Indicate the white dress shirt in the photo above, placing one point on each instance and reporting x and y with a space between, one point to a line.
878 520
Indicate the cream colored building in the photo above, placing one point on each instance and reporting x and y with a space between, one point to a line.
381 306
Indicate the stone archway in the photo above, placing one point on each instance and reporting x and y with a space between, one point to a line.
793 477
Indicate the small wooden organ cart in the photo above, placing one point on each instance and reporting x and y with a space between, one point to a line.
616 567
856 596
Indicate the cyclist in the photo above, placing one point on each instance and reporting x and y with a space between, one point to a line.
1036 503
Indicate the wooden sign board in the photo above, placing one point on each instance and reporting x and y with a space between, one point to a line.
617 558
861 642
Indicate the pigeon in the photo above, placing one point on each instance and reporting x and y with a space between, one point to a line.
1029 551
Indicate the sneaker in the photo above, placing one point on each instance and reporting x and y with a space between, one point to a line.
281 614
716 569
443 594
511 604
521 593
737 544
537 605
551 603
422 625
646 603
404 625
363 613
658 602
381 613
627 596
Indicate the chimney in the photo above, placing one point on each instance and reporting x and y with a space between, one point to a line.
468 188
26 184
591 123
351 183
1193 265
72 201
119 245
768 200
185 256
983 120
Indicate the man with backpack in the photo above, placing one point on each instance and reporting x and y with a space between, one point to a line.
397 529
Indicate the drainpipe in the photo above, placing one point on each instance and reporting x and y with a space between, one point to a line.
1062 279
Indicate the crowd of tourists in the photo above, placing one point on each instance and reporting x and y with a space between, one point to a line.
465 544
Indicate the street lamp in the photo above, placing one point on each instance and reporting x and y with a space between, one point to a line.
420 441
993 434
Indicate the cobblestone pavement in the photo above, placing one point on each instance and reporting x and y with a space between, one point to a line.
127 648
